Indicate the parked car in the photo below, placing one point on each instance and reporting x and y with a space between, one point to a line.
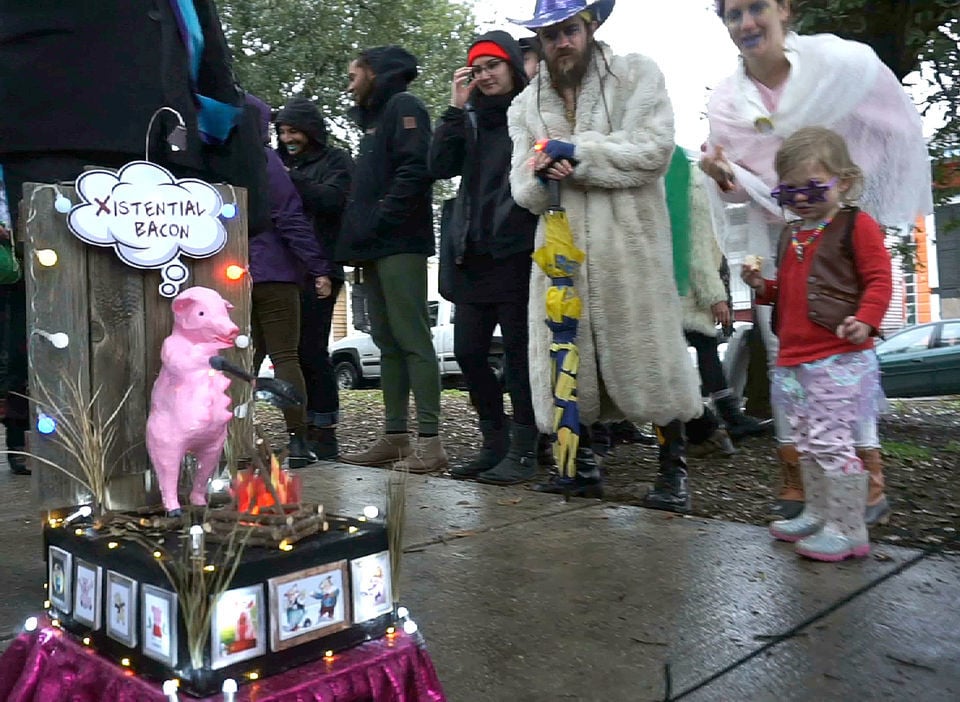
356 359
922 361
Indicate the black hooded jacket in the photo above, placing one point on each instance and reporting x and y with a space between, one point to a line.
389 211
322 174
483 229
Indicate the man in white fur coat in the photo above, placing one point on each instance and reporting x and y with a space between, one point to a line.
609 129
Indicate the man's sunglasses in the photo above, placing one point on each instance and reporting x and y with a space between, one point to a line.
814 191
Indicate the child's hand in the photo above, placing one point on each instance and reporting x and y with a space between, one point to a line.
853 330
750 275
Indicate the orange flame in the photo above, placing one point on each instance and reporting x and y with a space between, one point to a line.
253 495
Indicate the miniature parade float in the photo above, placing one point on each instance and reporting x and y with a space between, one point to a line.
180 554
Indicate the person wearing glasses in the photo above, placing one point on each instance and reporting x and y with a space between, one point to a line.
485 249
785 82
601 125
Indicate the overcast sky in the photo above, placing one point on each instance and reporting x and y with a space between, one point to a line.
685 37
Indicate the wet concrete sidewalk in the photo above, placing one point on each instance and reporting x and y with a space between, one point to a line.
523 597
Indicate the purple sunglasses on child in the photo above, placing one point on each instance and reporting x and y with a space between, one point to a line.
814 191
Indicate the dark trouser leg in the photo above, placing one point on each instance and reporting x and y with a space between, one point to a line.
708 361
670 491
275 322
472 333
316 318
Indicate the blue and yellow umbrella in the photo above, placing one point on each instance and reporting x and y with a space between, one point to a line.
560 258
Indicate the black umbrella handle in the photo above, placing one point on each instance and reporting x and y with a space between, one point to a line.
553 188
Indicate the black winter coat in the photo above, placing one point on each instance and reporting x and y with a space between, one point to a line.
322 175
87 78
390 210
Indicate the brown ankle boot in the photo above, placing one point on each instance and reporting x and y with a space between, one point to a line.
878 508
386 451
789 502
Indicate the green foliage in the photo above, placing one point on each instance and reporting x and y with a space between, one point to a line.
287 47
905 451
906 34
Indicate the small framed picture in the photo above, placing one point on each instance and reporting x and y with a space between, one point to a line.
238 631
121 608
158 609
87 593
370 583
59 577
308 604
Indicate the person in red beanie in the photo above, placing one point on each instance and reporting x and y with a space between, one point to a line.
486 240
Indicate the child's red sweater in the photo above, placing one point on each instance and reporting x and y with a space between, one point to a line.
803 341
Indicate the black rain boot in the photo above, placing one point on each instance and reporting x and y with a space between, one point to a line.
737 423
16 441
670 491
496 442
545 452
520 464
601 441
586 483
299 454
323 442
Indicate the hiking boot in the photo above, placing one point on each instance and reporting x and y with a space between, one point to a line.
789 502
717 443
738 424
428 457
878 507
385 451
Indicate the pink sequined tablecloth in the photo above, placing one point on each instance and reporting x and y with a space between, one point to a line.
47 665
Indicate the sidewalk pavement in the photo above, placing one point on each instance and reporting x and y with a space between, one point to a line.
523 597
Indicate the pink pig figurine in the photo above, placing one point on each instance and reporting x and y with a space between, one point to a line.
189 407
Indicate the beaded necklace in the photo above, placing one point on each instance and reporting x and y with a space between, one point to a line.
799 246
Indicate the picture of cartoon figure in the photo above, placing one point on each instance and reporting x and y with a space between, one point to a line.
328 596
119 611
86 594
308 604
294 607
57 584
238 631
371 583
159 621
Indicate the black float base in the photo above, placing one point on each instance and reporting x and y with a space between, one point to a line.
346 539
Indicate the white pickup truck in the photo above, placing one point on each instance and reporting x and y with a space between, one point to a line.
356 359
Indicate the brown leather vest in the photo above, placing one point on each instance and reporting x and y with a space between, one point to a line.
833 286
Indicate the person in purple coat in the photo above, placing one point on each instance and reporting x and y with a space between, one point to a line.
279 259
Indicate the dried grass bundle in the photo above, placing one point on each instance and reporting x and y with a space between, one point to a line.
82 431
396 518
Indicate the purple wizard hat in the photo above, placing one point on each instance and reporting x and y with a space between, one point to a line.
549 12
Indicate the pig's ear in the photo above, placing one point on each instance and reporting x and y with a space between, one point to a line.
228 305
182 305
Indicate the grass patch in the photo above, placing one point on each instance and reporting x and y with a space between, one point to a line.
952 447
904 451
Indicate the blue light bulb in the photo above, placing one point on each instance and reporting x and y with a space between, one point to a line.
46 424
228 211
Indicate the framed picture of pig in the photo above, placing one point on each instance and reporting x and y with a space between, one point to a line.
370 584
121 608
87 593
158 609
308 604
238 631
59 578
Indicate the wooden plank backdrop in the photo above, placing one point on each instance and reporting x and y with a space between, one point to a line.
116 320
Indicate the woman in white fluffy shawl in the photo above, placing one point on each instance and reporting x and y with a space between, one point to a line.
634 362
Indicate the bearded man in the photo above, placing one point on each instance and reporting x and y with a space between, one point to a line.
608 130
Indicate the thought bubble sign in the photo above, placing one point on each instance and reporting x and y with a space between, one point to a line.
150 218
